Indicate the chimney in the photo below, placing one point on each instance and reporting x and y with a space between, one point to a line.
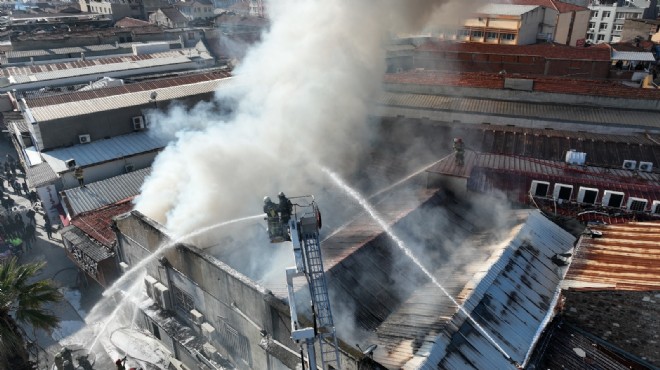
82 56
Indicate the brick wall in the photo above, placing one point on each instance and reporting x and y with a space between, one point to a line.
628 320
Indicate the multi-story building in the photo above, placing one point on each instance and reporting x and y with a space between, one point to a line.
609 16
196 9
114 9
523 22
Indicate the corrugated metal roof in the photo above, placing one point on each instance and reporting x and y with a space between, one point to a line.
99 151
34 101
513 301
127 99
633 55
40 175
506 9
105 192
422 105
74 71
80 240
626 257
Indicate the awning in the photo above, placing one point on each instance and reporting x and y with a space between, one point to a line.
638 56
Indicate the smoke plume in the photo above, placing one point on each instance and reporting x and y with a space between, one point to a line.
299 99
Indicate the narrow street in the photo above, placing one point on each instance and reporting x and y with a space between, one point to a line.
59 268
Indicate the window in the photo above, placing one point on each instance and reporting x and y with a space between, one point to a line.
601 37
508 36
491 35
477 34
602 26
592 25
618 27
464 33
183 301
594 13
606 14
620 15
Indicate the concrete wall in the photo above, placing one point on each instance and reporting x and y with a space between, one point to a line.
529 26
564 22
233 304
550 23
580 26
99 125
108 169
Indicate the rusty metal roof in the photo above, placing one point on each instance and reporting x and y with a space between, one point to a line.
626 257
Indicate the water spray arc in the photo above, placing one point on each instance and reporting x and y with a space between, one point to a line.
163 247
401 245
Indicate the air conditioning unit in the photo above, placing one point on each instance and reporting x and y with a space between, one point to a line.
645 166
129 168
196 317
629 165
613 199
138 123
655 207
162 296
207 329
149 282
587 195
123 266
636 204
70 163
539 188
563 192
84 139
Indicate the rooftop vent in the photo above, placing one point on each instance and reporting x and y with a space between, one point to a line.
539 188
587 195
636 204
655 207
613 199
562 192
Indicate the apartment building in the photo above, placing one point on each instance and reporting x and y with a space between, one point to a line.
608 17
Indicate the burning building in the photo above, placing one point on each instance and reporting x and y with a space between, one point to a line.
492 288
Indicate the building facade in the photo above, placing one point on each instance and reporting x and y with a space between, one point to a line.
608 17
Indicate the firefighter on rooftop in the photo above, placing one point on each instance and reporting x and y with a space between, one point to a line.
78 173
459 149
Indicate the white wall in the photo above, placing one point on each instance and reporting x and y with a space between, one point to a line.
109 169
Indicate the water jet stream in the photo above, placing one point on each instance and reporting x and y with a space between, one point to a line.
399 243
155 254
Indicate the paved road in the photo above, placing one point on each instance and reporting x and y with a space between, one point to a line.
63 273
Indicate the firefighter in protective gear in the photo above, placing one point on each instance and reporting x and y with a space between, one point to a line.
275 229
270 208
78 173
286 207
459 150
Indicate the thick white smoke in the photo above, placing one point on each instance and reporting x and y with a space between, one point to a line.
299 99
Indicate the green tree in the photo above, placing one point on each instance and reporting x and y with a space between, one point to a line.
22 300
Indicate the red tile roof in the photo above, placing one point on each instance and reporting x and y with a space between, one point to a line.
97 223
543 84
546 50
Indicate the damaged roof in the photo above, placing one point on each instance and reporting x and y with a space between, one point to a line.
97 223
626 257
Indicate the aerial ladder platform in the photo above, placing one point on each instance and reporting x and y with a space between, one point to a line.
299 222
